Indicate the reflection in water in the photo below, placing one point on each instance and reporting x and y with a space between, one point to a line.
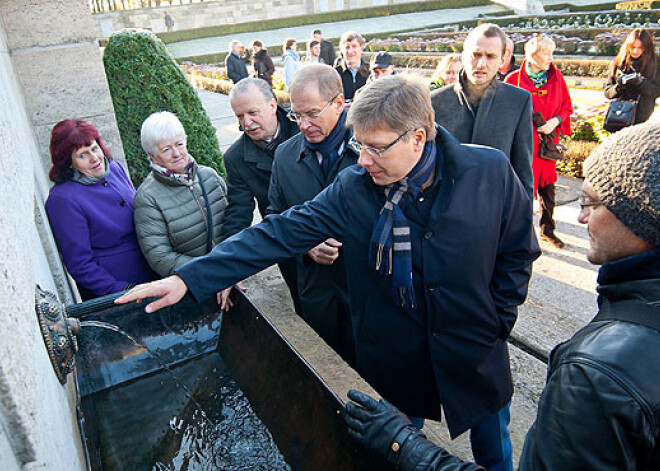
153 353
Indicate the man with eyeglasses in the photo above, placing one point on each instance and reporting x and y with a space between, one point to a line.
249 162
438 244
304 166
600 408
479 109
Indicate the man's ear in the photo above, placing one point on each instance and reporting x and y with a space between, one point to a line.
419 138
273 104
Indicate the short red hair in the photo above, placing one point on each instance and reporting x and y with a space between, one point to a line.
67 137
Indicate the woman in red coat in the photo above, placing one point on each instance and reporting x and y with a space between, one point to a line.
550 98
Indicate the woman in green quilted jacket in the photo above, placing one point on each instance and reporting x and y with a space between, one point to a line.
179 208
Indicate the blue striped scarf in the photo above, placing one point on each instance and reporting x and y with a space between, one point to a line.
390 249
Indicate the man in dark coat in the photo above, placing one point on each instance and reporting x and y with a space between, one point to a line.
353 71
249 161
600 407
303 167
479 109
328 55
236 68
438 243
508 62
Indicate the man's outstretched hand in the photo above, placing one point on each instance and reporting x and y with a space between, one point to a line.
169 290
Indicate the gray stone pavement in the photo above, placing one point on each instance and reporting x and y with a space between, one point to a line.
561 300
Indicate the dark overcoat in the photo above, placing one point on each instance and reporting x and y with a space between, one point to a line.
471 267
503 120
297 178
328 55
236 68
248 177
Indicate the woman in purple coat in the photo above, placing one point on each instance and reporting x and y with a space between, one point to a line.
90 209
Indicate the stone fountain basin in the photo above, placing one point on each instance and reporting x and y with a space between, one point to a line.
301 412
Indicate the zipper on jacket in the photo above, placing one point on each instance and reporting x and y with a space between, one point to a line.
201 210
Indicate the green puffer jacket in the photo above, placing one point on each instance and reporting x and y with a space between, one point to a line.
170 217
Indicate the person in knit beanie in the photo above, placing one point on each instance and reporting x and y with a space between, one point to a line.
624 174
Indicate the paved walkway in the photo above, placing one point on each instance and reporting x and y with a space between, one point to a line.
382 24
392 23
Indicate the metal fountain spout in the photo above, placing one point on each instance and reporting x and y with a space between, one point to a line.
59 332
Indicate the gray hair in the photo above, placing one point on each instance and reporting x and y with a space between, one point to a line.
540 42
509 44
486 30
159 126
325 77
245 86
397 102
232 43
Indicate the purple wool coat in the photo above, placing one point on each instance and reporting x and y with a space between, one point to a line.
93 228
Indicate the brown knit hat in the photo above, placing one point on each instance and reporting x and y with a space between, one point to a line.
625 173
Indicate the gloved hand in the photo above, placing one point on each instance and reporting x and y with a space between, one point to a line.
626 80
381 427
376 424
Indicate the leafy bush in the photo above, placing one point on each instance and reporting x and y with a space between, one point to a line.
582 67
587 133
143 79
576 154
596 19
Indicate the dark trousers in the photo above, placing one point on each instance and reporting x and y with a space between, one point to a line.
490 440
546 208
288 270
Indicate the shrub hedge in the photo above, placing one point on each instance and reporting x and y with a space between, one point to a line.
143 79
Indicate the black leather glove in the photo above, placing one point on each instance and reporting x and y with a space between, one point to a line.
635 81
378 425
629 80
381 427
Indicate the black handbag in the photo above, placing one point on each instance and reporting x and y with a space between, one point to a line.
548 149
551 150
620 114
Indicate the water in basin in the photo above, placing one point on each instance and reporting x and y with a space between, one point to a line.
151 424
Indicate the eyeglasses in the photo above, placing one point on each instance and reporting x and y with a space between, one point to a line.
585 201
373 151
312 115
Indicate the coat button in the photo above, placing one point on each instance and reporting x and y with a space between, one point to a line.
431 286
105 183
435 332
122 203
428 235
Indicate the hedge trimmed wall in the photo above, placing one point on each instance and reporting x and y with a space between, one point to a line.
143 79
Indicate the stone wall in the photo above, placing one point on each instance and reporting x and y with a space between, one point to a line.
223 12
50 69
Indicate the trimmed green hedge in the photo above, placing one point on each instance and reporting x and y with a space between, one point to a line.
327 17
143 79
571 7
